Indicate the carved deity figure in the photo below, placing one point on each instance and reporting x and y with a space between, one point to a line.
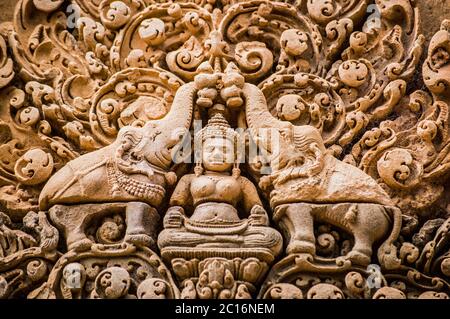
217 207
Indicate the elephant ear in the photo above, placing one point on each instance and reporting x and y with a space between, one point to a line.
127 156
288 132
128 138
306 135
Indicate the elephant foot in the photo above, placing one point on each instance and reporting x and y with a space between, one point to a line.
81 245
358 258
140 240
301 247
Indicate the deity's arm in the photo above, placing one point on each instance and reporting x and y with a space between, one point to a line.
182 194
180 202
250 196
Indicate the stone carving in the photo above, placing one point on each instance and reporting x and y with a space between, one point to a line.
214 228
212 194
108 272
320 169
26 257
133 169
306 183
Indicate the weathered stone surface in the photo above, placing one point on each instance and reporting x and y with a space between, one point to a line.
225 149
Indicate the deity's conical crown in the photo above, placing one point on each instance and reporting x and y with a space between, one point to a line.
217 127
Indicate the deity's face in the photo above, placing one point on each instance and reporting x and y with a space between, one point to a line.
217 154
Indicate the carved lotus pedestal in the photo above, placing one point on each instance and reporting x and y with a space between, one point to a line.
208 274
219 278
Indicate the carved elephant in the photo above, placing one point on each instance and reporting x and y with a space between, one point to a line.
133 169
308 184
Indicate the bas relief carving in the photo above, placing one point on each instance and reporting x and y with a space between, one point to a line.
224 150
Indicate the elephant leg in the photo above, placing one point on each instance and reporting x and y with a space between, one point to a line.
297 223
362 250
72 220
142 221
373 225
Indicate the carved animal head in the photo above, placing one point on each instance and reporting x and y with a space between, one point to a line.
151 146
157 143
286 145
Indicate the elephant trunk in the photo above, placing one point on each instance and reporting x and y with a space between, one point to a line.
180 114
258 115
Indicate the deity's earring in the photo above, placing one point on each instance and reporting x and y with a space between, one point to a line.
198 169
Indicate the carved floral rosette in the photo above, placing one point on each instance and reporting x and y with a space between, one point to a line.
76 73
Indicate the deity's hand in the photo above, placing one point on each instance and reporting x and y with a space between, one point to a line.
174 217
258 216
